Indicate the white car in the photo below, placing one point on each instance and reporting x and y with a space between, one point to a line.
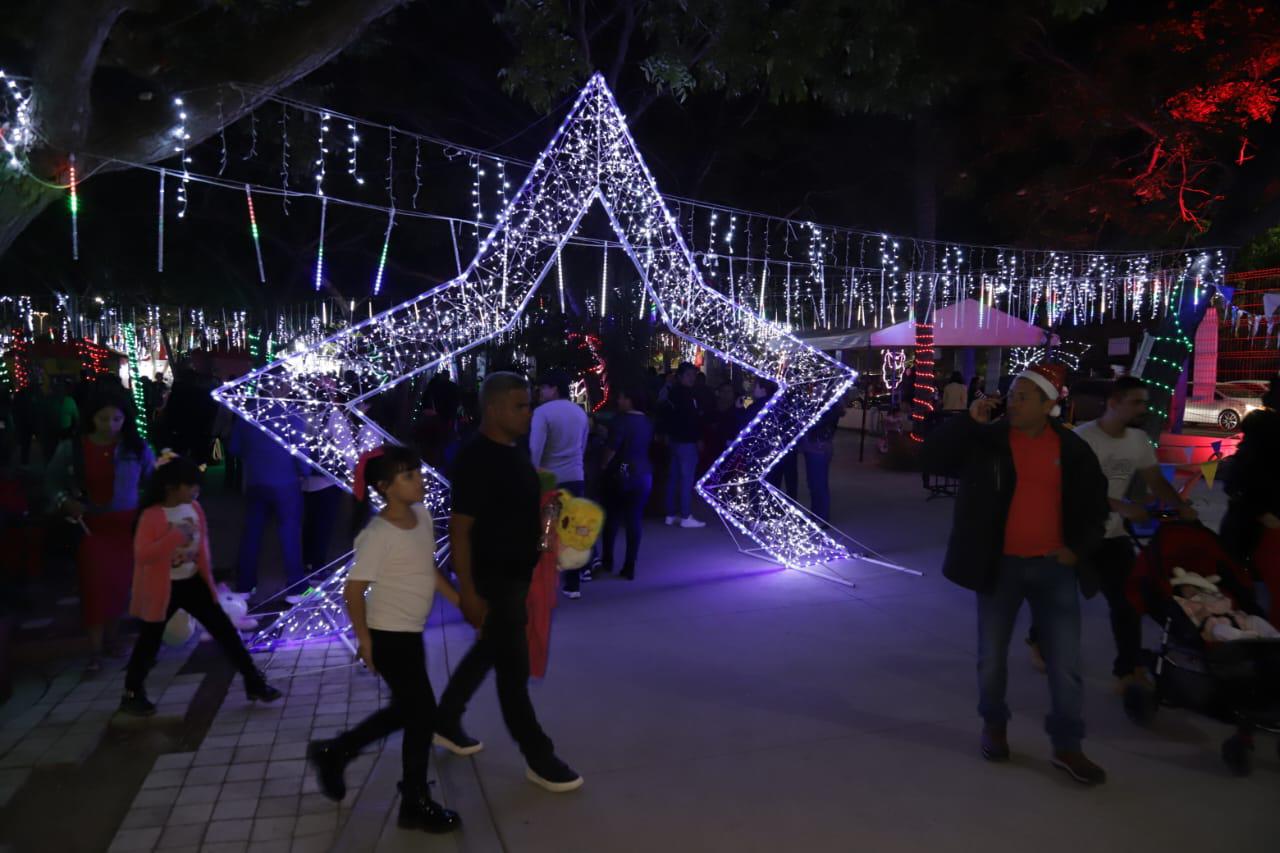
1226 410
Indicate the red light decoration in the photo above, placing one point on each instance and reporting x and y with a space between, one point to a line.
93 357
924 388
21 354
599 369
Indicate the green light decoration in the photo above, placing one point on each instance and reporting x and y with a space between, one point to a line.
135 379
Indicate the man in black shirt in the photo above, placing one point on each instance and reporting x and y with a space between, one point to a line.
494 537
683 424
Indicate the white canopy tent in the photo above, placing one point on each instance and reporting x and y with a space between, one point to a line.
969 324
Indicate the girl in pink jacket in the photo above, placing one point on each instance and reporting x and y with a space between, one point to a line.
172 572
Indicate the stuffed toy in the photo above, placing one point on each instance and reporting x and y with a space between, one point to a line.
578 529
1213 613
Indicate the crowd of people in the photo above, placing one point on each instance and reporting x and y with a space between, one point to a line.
1040 517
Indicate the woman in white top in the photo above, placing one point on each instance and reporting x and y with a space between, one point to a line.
395 566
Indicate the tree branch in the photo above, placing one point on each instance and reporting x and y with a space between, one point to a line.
266 60
71 37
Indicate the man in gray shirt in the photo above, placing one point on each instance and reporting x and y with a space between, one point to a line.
557 443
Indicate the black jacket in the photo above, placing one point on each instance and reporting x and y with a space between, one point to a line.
982 457
1252 482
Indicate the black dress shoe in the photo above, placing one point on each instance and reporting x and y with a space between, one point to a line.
329 761
258 690
135 703
419 811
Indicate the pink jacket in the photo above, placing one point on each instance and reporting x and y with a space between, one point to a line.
153 547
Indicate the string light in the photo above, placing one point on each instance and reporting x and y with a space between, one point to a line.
253 230
382 258
604 280
160 227
18 133
591 155
320 157
284 158
352 147
73 204
181 136
324 207
135 379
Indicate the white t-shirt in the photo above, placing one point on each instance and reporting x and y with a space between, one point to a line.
401 566
558 439
183 563
1120 458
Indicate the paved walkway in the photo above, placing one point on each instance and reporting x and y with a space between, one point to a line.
714 704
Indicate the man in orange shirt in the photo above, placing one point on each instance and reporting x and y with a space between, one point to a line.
1031 510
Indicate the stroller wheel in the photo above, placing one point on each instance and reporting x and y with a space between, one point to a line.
1237 754
1140 704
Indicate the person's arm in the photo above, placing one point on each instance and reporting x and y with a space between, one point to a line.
448 590
353 594
469 601
537 438
1164 490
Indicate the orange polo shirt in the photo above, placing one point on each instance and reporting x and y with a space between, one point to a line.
1034 526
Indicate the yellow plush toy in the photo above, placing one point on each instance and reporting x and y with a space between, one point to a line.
578 530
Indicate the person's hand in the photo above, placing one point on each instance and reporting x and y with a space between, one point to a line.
1270 520
474 609
73 508
983 408
1066 556
1136 513
365 652
1187 512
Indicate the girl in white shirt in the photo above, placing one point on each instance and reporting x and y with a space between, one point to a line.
395 566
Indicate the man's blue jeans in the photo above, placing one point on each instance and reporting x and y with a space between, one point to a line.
684 462
284 501
1053 592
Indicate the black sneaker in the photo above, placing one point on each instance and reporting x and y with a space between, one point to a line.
553 775
260 691
995 743
1079 768
419 811
329 761
136 703
457 741
628 573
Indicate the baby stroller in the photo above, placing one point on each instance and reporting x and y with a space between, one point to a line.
1235 682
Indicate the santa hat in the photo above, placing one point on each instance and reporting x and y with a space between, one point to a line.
1049 378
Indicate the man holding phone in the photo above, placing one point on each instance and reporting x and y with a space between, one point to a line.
1012 541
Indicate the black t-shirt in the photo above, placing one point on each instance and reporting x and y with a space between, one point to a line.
497 485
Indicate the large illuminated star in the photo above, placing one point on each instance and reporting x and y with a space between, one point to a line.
592 157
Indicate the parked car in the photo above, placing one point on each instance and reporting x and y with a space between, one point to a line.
1226 410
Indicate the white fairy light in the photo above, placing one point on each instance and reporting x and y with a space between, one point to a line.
592 155
352 148
180 137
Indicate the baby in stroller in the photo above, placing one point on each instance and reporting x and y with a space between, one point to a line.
1213 613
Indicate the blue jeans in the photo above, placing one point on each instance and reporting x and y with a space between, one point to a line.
1053 592
627 506
817 470
786 475
684 462
285 502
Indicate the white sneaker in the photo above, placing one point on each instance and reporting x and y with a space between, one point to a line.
572 594
672 520
692 522
294 599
